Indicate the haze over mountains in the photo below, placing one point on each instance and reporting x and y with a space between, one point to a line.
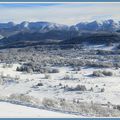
29 33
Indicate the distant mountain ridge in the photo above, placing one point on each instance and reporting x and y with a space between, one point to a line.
41 26
106 25
10 28
33 33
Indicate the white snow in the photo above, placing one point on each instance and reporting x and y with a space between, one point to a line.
8 110
100 47
51 89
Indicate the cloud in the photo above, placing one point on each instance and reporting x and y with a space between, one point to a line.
65 13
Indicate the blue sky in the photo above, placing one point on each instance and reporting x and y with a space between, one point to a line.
65 13
27 4
60 0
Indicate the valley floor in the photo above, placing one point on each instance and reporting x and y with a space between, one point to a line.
64 83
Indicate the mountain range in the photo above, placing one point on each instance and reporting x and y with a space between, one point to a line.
30 33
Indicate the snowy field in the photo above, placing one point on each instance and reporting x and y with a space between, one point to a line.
26 84
8 110
89 85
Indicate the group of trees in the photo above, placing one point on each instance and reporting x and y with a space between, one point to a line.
60 57
90 108
32 67
102 73
76 88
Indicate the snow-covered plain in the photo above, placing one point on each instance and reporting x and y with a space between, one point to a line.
51 88
23 89
8 110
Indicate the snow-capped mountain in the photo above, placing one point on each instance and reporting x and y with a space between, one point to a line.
10 28
41 26
35 31
106 25
42 33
